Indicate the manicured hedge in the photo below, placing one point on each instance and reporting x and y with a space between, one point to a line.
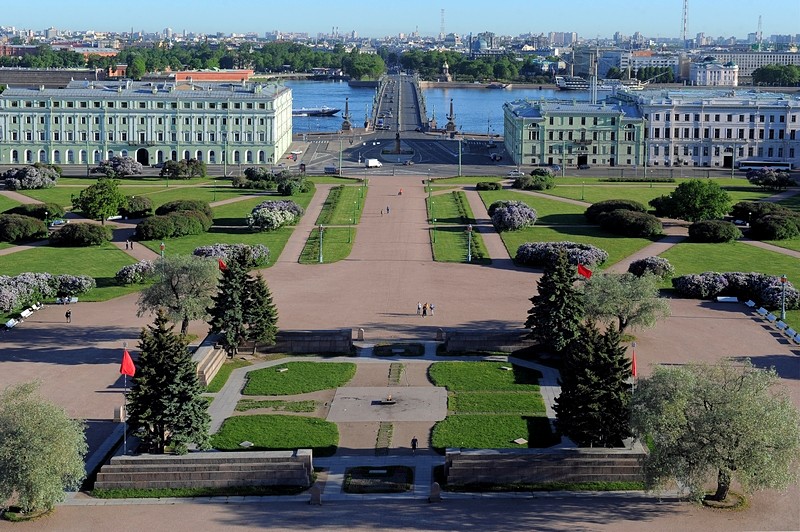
753 210
138 207
714 231
185 205
19 228
630 223
174 224
596 209
80 235
534 182
657 266
775 227
38 210
488 185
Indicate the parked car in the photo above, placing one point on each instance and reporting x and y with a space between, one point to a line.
408 162
495 156
516 173
331 170
555 167
583 167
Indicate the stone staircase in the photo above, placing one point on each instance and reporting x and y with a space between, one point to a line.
201 470
208 359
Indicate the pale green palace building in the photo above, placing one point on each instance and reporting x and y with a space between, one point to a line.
539 132
88 121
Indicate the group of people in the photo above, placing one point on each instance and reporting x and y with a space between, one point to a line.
425 309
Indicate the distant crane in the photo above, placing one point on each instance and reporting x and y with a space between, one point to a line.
685 21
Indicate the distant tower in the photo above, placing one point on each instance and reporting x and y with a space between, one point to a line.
441 28
346 125
758 33
446 72
685 20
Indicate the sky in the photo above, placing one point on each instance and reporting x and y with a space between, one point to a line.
377 18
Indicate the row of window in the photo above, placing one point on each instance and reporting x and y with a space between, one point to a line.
124 136
31 156
112 104
717 133
695 117
695 151
570 120
160 120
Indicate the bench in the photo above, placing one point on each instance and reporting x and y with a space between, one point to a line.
66 300
797 338
727 299
771 318
762 311
750 303
56 223
25 313
10 324
37 306
791 333
781 325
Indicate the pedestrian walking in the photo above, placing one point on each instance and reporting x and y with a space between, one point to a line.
414 445
419 308
127 244
131 244
381 212
387 209
432 307
424 310
68 315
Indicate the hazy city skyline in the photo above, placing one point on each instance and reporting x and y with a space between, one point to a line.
588 19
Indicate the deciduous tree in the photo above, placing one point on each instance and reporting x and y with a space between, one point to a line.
694 200
183 288
101 200
41 449
630 300
165 404
725 421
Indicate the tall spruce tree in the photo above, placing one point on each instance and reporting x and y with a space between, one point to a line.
260 313
165 404
228 312
592 408
557 307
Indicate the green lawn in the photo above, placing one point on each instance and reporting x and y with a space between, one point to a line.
301 377
467 180
617 247
209 193
334 180
100 262
492 432
224 372
153 181
6 204
450 244
690 257
594 191
496 403
344 206
444 207
236 213
792 243
277 433
483 376
279 406
548 212
63 195
337 242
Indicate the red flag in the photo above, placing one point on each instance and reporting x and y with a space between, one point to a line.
583 270
633 365
222 265
127 367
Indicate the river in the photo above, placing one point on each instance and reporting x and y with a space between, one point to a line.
477 110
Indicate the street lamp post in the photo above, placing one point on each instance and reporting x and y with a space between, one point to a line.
733 159
321 230
162 246
583 187
434 230
459 157
45 218
783 296
224 155
469 243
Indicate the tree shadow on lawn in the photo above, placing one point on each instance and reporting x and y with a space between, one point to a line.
228 222
563 219
540 435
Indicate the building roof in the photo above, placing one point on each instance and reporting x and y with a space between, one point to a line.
538 109
126 89
715 97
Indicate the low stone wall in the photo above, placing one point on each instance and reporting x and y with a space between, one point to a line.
322 341
205 470
208 358
505 341
507 466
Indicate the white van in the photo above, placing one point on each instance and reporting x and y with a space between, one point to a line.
372 163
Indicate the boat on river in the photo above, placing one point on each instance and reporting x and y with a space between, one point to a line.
315 111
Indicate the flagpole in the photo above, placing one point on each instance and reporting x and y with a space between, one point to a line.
125 410
633 368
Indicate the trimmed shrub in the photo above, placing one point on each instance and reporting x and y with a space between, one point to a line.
596 209
135 273
542 171
118 167
512 216
183 224
19 228
72 285
658 266
543 253
255 255
488 185
535 182
155 228
38 210
138 207
765 290
270 215
662 205
31 177
80 235
199 216
174 224
290 187
185 205
770 179
630 223
775 227
753 210
714 231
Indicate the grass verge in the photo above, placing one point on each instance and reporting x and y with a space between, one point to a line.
492 432
495 403
483 376
231 491
277 433
224 372
298 377
337 242
279 406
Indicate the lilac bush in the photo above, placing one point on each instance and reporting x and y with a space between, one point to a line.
512 216
542 253
657 266
135 273
28 288
119 166
765 290
258 254
271 215
30 177
71 285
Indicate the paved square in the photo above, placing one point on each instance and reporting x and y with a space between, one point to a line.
411 403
